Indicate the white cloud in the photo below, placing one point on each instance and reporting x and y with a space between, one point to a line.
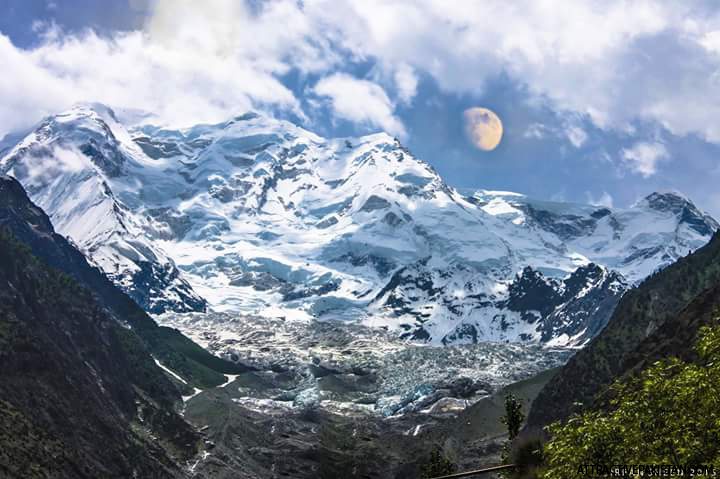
573 133
189 65
43 168
537 131
576 135
406 83
711 41
616 61
605 199
643 157
360 101
70 160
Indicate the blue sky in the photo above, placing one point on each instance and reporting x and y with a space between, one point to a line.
601 102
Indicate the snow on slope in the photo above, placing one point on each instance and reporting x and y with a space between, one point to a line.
265 218
67 165
636 241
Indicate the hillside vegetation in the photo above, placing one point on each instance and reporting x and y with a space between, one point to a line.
660 317
668 414
81 395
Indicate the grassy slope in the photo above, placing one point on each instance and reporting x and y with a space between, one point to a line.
483 419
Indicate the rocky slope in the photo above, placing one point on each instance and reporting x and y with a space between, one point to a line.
657 319
565 311
264 218
29 224
261 440
80 395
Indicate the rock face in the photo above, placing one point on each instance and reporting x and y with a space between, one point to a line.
565 311
265 218
573 310
60 349
657 319
28 224
67 165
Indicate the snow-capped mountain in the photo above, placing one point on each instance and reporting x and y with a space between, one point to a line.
636 241
531 306
266 218
67 165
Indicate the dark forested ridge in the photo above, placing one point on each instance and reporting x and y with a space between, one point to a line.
80 395
659 318
32 227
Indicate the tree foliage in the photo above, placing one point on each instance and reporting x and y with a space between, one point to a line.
437 466
513 417
668 414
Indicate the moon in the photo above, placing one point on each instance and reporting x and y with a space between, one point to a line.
483 127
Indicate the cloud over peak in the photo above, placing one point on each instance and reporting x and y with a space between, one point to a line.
614 61
360 101
644 157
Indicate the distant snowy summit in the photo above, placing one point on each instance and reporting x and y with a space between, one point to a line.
259 216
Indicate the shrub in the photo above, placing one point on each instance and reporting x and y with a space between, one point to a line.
668 414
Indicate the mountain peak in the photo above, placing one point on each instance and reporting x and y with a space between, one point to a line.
97 108
87 116
264 217
666 201
678 204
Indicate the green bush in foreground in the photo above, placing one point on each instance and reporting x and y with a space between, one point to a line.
669 414
437 466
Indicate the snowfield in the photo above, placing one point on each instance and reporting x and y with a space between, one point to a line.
260 218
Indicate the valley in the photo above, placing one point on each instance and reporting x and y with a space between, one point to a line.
331 307
347 239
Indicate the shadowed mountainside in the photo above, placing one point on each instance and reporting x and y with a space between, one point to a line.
657 319
80 395
31 226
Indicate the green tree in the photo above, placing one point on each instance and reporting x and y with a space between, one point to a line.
513 417
668 414
437 466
